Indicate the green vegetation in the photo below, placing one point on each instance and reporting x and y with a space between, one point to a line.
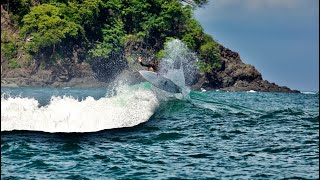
47 26
13 64
209 55
100 29
9 50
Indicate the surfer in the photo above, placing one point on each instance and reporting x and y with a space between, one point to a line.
151 66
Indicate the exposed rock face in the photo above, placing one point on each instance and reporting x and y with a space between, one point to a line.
78 75
234 75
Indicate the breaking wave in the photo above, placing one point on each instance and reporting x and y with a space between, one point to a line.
129 107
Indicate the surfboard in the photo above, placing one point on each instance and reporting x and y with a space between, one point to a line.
160 81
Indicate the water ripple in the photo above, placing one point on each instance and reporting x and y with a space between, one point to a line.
232 136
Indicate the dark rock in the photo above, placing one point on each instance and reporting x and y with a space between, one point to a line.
237 76
233 75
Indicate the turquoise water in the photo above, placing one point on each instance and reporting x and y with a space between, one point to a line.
136 134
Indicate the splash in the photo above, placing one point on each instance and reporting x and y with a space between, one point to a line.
124 107
130 107
178 63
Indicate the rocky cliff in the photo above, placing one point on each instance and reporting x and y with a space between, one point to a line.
234 75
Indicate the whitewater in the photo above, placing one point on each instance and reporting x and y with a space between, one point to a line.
68 114
129 106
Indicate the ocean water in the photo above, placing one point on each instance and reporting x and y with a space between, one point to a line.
139 132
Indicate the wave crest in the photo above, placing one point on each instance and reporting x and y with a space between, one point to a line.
128 108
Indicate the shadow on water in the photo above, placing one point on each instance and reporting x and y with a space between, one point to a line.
146 126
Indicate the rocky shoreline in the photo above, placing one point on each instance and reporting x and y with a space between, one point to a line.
233 76
92 83
262 86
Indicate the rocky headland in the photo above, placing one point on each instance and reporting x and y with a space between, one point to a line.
233 75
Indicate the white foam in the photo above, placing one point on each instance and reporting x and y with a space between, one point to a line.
128 108
252 91
308 92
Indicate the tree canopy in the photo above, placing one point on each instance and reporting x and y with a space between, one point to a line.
103 27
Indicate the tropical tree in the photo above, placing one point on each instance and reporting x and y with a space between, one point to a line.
46 26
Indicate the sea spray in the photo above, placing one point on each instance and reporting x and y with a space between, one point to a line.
124 106
178 63
129 107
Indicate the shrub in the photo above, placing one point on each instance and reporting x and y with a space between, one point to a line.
209 57
13 63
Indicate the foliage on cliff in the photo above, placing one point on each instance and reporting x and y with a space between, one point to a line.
98 30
